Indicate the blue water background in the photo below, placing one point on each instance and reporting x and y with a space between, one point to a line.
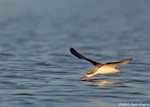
37 69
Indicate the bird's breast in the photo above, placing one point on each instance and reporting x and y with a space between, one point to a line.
106 70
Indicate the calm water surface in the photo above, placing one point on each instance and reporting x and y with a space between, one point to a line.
37 69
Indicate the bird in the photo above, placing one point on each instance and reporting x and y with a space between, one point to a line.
100 68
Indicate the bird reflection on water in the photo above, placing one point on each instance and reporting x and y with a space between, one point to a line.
104 83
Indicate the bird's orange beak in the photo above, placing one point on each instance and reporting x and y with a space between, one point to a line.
85 77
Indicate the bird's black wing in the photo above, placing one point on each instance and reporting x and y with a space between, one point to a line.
114 64
77 54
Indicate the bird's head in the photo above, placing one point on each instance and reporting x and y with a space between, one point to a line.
87 76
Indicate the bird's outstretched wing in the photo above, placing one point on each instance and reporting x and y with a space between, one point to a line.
77 54
114 64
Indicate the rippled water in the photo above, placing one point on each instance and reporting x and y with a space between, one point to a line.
37 69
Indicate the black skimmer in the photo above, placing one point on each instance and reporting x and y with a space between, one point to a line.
100 68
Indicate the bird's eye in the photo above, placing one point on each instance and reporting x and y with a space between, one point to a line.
88 73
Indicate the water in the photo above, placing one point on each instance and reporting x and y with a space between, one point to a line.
37 69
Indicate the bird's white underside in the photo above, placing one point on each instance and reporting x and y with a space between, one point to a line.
104 70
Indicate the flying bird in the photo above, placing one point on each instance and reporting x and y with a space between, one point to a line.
100 68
